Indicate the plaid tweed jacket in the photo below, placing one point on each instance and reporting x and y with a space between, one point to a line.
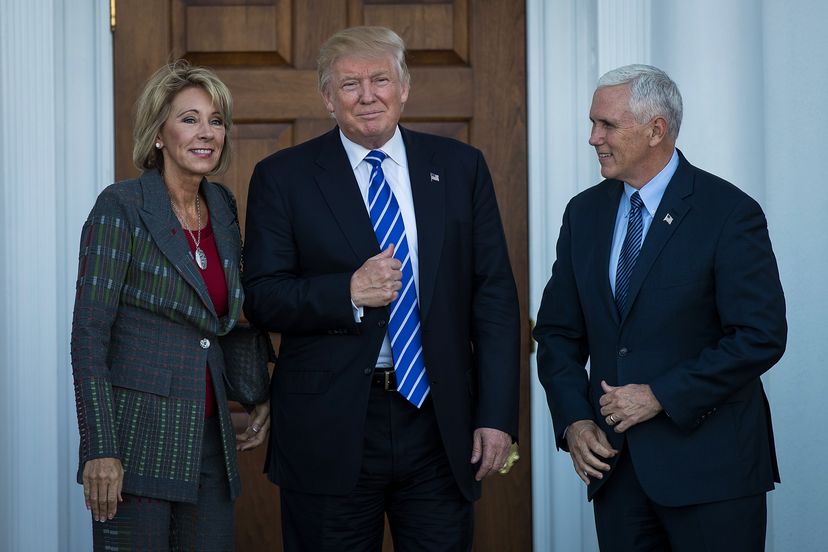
143 329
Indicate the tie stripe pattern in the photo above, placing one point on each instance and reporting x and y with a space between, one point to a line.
404 322
629 252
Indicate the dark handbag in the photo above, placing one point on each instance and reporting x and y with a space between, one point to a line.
247 350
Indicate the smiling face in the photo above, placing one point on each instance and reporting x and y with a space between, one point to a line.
626 148
192 137
366 97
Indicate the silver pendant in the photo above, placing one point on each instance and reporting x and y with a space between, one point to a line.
200 259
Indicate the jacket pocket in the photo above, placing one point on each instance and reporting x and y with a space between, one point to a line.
139 378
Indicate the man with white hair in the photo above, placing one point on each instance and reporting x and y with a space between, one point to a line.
666 282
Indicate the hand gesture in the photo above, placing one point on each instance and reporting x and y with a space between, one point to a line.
628 405
377 282
588 444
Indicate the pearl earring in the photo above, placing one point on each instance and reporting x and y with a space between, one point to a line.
158 145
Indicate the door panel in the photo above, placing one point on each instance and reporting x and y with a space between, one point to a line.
467 61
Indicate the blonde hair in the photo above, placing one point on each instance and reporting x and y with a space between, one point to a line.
361 40
153 108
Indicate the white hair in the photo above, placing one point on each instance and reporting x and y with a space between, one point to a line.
652 93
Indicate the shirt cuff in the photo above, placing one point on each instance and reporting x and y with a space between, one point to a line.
359 312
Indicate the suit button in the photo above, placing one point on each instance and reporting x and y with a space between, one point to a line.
382 323
622 352
368 371
205 343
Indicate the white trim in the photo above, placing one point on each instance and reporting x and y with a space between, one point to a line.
624 33
28 378
561 46
569 44
56 153
86 165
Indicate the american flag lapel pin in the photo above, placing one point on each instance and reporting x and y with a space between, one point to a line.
668 218
435 177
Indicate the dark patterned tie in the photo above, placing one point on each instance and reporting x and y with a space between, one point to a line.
404 322
629 252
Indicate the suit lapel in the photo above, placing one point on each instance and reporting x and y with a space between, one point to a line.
428 182
339 187
673 204
167 233
607 213
228 242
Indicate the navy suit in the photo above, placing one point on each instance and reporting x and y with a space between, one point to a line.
705 317
307 231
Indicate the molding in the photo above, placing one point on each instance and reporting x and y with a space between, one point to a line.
624 30
561 71
56 153
28 386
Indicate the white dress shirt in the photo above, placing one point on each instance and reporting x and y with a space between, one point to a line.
395 168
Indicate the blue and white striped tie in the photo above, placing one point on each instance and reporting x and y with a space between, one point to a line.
404 322
629 252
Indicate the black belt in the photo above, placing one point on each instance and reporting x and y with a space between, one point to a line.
384 378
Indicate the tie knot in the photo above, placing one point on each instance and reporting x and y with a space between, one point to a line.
636 201
375 158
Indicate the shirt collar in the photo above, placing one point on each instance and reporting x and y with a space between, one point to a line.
393 148
652 192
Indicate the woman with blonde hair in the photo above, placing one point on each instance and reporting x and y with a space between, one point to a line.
158 281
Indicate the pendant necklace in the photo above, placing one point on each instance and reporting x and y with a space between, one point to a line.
200 257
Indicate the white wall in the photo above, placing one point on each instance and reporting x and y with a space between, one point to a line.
795 118
55 154
754 77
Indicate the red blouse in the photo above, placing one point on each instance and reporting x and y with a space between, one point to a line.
213 276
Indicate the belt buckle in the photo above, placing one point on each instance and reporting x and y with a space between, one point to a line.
387 375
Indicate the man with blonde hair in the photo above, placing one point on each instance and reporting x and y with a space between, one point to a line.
379 254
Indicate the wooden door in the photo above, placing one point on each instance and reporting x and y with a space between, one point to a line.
467 60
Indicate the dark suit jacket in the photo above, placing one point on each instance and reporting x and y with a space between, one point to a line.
705 318
142 311
307 231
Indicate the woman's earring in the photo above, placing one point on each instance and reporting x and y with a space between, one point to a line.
158 145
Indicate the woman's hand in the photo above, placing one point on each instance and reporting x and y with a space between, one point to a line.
103 479
257 428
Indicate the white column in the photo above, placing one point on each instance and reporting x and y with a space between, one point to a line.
570 43
561 70
85 165
56 152
29 375
623 33
714 52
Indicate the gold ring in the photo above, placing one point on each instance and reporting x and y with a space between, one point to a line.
612 419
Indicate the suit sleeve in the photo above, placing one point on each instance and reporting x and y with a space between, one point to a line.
105 254
278 295
562 342
495 313
751 307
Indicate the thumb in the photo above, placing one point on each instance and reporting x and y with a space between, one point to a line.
607 387
477 448
386 253
389 252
